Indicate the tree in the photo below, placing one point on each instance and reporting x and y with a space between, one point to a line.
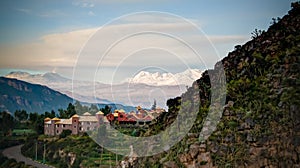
7 122
85 109
21 115
70 110
93 109
256 33
33 117
37 122
78 107
275 20
67 113
62 113
50 115
295 5
106 110
154 105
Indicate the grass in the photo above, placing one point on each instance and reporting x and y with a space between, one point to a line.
19 132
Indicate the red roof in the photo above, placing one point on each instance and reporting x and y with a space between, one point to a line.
124 117
110 117
147 118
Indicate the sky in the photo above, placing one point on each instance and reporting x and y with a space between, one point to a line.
111 40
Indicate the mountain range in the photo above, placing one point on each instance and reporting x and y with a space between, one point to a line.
158 79
142 89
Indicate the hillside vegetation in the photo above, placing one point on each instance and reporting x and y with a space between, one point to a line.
69 151
260 126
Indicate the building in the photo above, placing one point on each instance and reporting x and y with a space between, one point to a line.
137 118
77 123
87 122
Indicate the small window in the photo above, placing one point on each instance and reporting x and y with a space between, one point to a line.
75 126
64 125
74 120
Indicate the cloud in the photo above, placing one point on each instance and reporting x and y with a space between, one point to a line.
46 14
84 3
27 11
227 38
50 50
120 46
156 17
52 13
93 3
91 13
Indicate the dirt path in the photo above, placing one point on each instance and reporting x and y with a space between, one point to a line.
15 153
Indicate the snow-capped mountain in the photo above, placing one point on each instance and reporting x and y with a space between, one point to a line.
158 79
141 90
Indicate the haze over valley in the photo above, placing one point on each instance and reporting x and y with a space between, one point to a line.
141 90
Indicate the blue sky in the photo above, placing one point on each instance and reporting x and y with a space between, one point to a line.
28 24
29 19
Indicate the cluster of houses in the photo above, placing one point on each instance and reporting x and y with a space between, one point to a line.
87 122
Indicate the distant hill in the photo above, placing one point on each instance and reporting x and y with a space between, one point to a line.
37 78
16 94
82 91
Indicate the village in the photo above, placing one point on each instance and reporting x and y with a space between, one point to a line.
79 124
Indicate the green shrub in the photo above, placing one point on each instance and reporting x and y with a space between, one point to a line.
65 133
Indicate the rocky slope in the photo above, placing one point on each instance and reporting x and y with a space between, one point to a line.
260 125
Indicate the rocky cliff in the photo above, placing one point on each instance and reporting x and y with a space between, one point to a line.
260 125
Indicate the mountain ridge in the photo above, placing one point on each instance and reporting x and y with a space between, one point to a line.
37 78
20 95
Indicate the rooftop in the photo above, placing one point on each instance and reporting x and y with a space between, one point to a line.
75 116
88 118
99 112
87 114
55 119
